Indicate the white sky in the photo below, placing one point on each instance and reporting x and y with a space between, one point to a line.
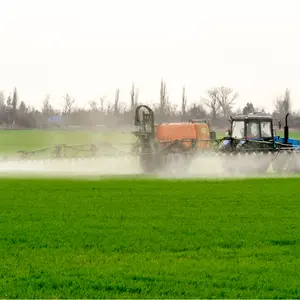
89 48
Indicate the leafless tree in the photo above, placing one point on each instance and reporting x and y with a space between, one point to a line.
102 104
68 105
226 99
212 102
287 105
15 101
93 105
2 100
46 107
116 105
133 97
220 99
283 106
183 104
110 108
163 107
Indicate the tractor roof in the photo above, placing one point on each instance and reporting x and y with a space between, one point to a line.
200 121
252 116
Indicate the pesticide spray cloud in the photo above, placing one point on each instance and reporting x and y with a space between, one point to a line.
205 166
106 166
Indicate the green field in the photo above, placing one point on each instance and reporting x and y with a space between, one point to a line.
142 238
15 140
149 238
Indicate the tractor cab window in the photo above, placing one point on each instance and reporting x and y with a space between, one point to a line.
237 129
252 129
266 129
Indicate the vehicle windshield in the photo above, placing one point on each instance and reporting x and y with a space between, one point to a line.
238 129
253 129
266 129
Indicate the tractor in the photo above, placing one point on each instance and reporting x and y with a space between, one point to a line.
253 135
169 144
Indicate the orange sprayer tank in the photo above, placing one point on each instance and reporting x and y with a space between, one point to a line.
176 131
202 131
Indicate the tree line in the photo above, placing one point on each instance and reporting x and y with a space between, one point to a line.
217 105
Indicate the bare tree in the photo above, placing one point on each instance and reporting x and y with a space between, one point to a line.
136 97
226 99
110 108
102 104
14 104
220 99
2 100
163 107
133 97
68 105
116 105
183 104
212 102
283 106
287 105
93 105
47 109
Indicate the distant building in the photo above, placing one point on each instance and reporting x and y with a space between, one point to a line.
55 121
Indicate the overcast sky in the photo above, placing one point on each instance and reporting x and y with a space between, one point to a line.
89 48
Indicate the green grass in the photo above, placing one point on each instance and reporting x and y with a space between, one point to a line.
13 141
149 239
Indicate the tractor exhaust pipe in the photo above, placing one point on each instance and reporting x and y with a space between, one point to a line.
286 129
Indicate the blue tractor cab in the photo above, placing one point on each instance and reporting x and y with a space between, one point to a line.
252 126
256 130
254 134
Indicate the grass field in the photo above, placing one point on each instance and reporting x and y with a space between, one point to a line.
149 239
142 238
15 140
